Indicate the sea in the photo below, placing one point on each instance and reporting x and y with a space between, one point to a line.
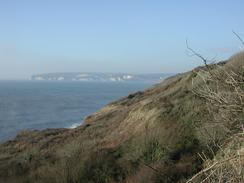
33 105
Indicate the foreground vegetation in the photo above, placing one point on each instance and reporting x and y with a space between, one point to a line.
187 128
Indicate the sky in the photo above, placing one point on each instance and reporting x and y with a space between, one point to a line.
132 36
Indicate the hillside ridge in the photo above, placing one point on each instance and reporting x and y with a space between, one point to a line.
129 140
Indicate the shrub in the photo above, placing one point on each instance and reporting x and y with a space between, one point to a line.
223 91
103 167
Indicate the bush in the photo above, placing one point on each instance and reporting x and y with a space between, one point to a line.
153 151
223 91
103 167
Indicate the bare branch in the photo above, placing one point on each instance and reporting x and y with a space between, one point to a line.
194 53
238 37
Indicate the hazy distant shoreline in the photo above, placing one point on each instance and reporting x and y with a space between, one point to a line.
101 77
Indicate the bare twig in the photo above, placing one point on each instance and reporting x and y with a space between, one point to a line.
205 61
240 39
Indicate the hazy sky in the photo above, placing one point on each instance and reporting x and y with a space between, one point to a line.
137 36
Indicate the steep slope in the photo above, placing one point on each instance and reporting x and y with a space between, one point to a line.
148 136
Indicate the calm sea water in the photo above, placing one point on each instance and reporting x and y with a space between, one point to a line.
40 105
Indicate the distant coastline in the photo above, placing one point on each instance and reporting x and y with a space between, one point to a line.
101 77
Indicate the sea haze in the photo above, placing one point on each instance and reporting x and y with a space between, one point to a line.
41 105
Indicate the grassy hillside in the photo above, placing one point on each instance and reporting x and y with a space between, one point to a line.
157 135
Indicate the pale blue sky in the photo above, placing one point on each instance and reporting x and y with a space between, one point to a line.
136 36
